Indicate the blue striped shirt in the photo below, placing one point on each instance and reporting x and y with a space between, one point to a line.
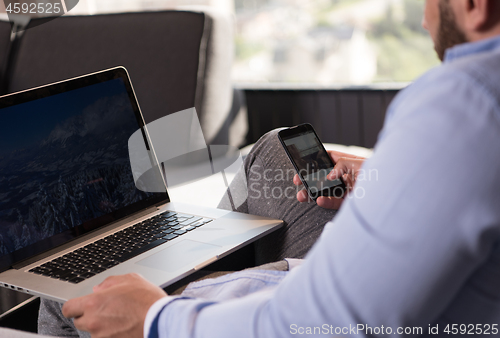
417 249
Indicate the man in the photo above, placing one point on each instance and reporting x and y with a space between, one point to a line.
418 254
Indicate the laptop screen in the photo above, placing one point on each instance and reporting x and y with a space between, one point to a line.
64 163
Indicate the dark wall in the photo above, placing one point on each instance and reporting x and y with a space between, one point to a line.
344 116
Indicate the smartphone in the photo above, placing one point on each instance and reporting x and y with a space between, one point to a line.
311 161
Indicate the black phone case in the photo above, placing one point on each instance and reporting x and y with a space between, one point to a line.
298 130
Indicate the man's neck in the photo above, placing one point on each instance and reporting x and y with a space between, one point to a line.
478 36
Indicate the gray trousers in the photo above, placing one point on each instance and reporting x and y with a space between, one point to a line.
262 187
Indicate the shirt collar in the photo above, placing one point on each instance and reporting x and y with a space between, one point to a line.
470 48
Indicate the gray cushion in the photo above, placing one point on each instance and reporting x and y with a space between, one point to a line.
160 51
176 59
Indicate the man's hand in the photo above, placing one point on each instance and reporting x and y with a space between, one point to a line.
117 308
346 166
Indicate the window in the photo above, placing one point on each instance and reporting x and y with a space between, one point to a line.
348 42
331 41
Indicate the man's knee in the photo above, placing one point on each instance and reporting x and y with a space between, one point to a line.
267 144
270 136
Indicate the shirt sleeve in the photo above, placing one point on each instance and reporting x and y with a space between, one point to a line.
422 218
151 321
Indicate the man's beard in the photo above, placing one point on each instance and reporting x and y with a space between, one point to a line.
449 34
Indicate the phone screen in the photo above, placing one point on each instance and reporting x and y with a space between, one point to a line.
311 160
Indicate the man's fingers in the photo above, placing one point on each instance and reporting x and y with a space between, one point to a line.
339 169
80 324
109 282
73 308
302 196
322 201
335 155
116 309
296 180
348 181
329 202
346 166
334 174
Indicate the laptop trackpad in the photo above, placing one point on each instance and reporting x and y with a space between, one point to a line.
179 255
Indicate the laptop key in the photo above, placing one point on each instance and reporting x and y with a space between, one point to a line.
187 221
97 269
167 214
61 274
49 265
68 277
76 280
170 236
180 232
87 274
145 248
38 270
109 264
196 219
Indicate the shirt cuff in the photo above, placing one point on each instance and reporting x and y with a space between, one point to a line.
154 313
294 263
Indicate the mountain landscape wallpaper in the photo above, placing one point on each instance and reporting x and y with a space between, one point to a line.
63 161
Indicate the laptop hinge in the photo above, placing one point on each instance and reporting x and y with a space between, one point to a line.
161 204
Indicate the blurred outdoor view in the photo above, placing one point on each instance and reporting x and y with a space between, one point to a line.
331 41
349 42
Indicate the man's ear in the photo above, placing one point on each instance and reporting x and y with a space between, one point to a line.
481 15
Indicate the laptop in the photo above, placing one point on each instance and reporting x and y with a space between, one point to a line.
71 214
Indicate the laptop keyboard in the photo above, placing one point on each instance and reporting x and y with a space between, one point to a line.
123 245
